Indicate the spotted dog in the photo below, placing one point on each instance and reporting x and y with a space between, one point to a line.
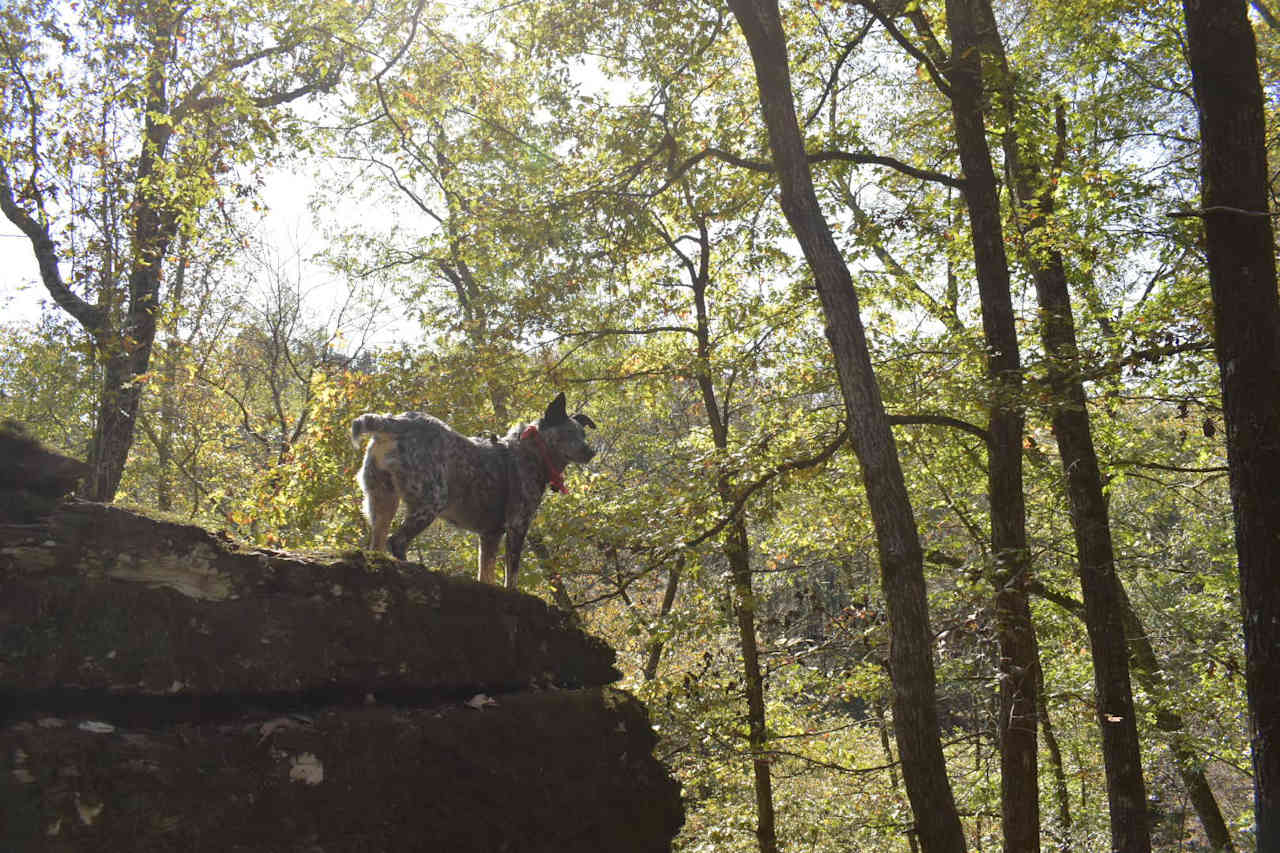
491 486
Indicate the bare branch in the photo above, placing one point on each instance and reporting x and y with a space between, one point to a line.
834 76
941 420
906 44
1155 466
767 167
91 317
1217 208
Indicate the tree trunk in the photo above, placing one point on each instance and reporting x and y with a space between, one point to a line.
901 560
1099 585
127 350
1055 760
168 390
882 726
1146 668
1242 277
737 552
654 657
1034 203
1019 658
744 608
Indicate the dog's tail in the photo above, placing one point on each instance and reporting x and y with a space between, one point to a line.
369 423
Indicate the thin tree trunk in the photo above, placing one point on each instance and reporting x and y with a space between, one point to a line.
901 559
1055 761
168 391
654 657
1242 277
744 607
1019 658
1146 668
737 552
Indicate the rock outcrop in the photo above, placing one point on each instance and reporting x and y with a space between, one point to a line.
165 688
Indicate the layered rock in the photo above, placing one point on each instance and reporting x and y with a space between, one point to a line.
163 687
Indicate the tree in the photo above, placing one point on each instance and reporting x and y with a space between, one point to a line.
1246 318
1070 416
119 126
901 557
1011 559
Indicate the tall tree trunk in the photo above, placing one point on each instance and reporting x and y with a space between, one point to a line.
1242 277
1034 204
901 559
126 351
1019 658
1099 585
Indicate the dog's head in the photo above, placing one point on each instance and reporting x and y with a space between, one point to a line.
566 435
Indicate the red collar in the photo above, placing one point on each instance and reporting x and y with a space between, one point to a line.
555 477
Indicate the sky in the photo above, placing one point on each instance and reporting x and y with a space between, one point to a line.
20 287
287 227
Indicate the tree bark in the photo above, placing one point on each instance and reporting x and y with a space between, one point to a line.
1146 668
1099 585
901 560
654 657
1019 657
1242 277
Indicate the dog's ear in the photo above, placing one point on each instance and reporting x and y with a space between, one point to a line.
555 413
585 421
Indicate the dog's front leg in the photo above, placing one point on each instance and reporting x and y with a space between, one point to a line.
515 543
489 557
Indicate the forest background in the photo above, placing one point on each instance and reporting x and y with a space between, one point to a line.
508 200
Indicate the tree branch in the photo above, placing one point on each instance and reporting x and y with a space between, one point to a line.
834 76
747 491
767 167
91 317
905 43
1155 466
1265 14
1064 601
941 420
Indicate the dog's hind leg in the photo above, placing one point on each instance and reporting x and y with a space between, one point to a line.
488 556
380 503
515 544
423 501
415 521
424 498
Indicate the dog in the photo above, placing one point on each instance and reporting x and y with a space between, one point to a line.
488 485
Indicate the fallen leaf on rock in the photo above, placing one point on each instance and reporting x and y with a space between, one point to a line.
479 701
